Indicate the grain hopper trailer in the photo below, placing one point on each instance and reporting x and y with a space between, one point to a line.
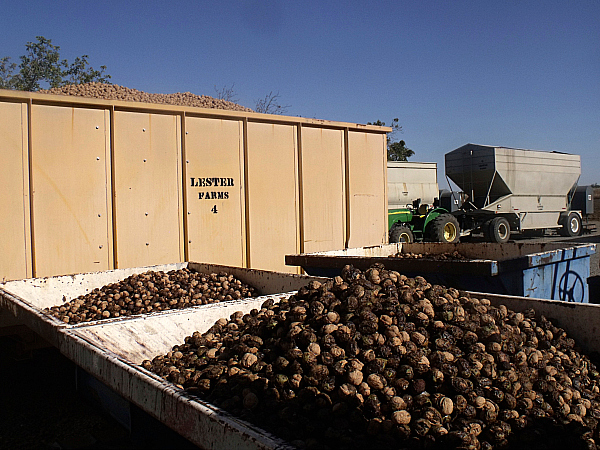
413 204
513 190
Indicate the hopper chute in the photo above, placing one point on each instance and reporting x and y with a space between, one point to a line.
489 174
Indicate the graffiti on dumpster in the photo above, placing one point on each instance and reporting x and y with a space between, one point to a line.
571 287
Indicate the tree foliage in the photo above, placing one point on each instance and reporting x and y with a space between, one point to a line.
7 80
396 150
41 67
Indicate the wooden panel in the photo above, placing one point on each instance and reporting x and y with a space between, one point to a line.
215 196
323 194
148 200
15 241
71 192
367 195
272 196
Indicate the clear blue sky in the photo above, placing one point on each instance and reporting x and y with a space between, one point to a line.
522 74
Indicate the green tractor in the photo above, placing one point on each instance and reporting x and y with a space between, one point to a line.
422 222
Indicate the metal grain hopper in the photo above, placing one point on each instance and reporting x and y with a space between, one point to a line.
530 189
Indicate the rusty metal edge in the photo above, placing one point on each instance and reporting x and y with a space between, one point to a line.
37 320
473 267
47 325
202 423
580 320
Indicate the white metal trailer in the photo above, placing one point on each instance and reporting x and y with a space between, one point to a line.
409 181
513 190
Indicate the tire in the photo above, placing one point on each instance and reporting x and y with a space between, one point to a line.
486 229
571 226
445 228
401 233
499 230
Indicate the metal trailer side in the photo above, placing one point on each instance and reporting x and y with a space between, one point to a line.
531 188
22 302
557 271
211 185
408 181
113 354
94 348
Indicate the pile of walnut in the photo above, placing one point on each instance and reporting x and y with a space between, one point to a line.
448 256
109 91
150 292
379 360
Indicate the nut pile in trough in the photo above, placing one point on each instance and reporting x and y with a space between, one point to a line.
377 360
151 292
446 256
115 92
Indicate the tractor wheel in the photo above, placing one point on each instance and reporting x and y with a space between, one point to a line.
499 230
571 226
445 228
401 233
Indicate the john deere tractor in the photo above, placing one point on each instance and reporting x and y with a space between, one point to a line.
422 222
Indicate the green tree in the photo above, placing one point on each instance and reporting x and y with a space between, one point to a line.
42 64
79 72
7 79
396 150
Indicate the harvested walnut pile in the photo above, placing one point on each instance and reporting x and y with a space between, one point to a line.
447 256
151 292
115 92
379 360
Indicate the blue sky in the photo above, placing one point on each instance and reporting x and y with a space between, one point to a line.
522 74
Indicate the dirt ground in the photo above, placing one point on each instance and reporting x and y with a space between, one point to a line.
41 408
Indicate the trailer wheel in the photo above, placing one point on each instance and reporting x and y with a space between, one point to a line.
445 228
571 226
499 230
486 229
401 233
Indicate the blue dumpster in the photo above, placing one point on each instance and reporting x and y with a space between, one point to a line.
554 271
